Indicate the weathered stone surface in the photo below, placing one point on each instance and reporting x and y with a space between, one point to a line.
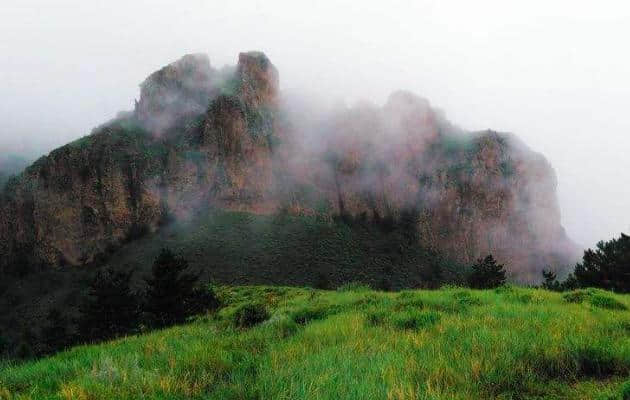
201 138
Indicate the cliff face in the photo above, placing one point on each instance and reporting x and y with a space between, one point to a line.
193 139
200 137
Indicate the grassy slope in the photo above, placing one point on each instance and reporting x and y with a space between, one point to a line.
359 344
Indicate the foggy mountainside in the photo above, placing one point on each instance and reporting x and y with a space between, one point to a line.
227 239
314 200
201 138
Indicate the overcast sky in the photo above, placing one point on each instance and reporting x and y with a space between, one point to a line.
556 73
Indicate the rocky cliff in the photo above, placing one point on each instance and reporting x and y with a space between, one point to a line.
201 137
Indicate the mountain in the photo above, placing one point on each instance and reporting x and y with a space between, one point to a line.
202 138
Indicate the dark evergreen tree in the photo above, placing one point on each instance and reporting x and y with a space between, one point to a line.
607 267
110 309
571 283
56 334
550 280
486 274
172 295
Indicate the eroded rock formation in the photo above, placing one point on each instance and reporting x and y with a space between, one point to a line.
201 137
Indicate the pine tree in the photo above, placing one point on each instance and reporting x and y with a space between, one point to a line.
110 309
607 267
486 274
550 280
171 295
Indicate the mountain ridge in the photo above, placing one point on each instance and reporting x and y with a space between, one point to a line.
200 137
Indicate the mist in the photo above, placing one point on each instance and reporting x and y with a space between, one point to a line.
554 73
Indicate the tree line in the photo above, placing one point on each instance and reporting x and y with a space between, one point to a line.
112 308
606 267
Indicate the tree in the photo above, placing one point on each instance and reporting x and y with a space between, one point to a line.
172 295
56 334
607 267
486 274
550 280
110 309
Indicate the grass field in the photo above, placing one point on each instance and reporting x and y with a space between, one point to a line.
355 343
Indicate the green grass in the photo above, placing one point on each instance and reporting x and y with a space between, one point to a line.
355 343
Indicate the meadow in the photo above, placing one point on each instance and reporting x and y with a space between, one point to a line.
357 343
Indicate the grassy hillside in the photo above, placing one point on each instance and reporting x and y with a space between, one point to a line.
359 344
238 248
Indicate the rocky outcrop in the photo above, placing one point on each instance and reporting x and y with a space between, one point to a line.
201 137
192 140
179 90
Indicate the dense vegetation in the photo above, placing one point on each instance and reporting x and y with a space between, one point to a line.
606 267
291 343
222 247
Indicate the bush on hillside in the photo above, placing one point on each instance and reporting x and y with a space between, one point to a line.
602 301
415 320
250 314
486 274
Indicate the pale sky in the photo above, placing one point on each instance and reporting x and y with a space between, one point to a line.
556 73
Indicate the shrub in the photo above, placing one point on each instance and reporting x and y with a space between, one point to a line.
599 362
607 302
576 296
465 298
284 327
308 314
486 274
416 319
376 317
250 314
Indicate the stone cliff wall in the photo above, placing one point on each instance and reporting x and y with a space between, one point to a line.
200 138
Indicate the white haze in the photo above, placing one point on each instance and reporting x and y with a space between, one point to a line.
556 73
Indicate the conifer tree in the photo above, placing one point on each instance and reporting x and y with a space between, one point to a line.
110 309
172 295
486 274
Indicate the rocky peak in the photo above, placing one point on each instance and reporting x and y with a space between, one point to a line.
258 79
179 89
412 116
